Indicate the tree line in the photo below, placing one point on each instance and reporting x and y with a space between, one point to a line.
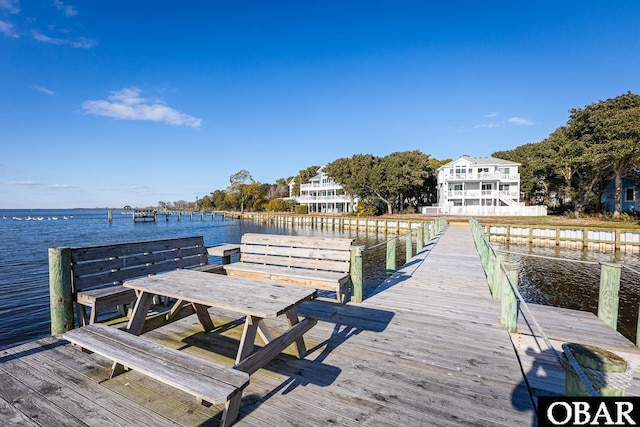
400 181
571 168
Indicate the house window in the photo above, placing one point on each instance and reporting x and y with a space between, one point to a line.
504 187
457 187
505 171
629 194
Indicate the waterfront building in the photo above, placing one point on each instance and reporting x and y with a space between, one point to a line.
322 195
480 186
629 199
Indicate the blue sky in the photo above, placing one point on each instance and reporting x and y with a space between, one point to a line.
104 104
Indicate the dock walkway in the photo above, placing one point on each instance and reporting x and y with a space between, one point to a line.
425 350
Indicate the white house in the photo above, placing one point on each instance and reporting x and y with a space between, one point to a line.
322 195
480 186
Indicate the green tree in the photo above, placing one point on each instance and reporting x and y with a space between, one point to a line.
610 131
240 186
400 177
396 179
353 174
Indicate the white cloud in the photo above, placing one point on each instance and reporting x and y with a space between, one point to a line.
491 115
488 125
127 104
519 121
43 90
6 28
66 9
56 186
80 43
22 183
10 5
38 184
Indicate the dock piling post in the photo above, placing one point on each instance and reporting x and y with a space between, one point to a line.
420 240
409 246
599 360
391 256
60 290
608 299
356 272
509 315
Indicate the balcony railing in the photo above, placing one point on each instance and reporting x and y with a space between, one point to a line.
480 176
333 199
324 186
477 194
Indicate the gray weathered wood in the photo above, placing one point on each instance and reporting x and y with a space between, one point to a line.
318 262
96 271
207 381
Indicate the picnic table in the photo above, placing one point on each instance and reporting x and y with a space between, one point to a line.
257 300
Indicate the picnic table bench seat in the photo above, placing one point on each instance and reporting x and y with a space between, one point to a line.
210 383
316 262
97 272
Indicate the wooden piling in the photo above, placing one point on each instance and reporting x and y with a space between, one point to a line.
391 257
60 290
598 359
509 312
609 293
408 246
356 273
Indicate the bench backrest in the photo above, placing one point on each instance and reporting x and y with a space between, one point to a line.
108 264
317 253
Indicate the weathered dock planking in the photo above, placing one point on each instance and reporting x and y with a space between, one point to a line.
426 349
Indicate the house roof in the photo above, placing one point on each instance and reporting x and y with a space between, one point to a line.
481 161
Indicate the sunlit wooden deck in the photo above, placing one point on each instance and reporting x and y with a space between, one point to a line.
427 349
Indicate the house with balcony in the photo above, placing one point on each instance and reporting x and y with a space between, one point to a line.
322 195
480 186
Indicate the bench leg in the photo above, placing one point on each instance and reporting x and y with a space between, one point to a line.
140 310
231 410
83 319
203 316
248 338
264 332
116 369
292 319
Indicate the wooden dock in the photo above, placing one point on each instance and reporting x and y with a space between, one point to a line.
426 349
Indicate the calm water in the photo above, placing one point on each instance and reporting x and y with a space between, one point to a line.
560 282
27 234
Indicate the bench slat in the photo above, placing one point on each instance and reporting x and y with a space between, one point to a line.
311 264
339 243
100 265
129 273
320 262
85 253
201 378
313 253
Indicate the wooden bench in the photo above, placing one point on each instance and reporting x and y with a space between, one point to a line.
210 383
97 272
316 262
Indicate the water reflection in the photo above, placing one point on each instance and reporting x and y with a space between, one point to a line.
572 279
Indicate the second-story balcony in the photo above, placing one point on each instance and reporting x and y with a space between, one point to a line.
492 176
481 194
320 186
339 198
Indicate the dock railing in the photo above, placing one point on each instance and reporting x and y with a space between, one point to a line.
424 234
502 279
